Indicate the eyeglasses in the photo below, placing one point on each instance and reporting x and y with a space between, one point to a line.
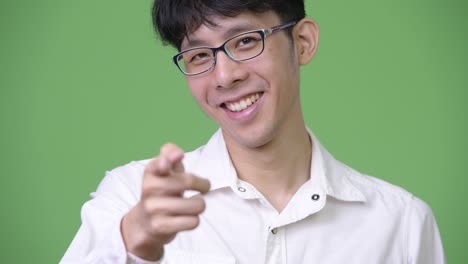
241 47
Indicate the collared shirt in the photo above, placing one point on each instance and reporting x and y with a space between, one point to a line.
338 216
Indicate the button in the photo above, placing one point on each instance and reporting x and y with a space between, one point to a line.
274 231
241 189
315 197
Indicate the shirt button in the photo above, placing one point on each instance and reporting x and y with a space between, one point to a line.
241 189
274 231
315 197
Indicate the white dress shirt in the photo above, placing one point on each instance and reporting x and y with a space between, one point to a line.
338 216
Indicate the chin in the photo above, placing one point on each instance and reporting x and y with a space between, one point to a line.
250 139
253 143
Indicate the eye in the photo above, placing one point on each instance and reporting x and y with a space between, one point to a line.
199 58
247 42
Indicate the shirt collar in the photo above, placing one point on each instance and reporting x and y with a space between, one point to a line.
332 175
327 174
215 163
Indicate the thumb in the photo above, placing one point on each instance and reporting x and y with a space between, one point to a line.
175 155
178 167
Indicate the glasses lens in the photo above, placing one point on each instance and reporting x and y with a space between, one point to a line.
195 61
245 46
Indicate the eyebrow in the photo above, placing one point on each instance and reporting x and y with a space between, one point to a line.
194 42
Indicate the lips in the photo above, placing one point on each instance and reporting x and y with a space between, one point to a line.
242 103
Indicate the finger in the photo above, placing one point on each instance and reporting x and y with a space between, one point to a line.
170 155
173 153
172 224
178 167
163 167
196 183
158 166
175 206
186 222
175 185
164 186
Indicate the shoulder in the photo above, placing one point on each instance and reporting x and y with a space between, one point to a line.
123 181
394 202
414 218
381 192
377 188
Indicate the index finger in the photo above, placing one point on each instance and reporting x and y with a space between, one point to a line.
174 154
159 166
195 183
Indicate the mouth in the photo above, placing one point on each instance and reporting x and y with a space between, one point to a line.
242 104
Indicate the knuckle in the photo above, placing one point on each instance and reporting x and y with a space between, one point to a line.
151 166
162 187
147 206
146 188
160 209
148 170
156 207
159 227
151 186
159 164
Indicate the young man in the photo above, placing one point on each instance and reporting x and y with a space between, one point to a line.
263 189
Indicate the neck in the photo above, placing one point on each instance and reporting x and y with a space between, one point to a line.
278 168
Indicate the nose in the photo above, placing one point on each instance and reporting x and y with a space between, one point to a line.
228 72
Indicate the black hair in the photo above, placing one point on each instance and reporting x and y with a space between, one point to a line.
175 19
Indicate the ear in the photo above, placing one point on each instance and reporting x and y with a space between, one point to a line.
305 36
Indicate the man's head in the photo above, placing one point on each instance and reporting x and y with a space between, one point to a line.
175 19
256 100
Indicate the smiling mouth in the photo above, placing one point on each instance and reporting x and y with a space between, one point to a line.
242 104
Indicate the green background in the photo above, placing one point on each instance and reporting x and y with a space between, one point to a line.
85 86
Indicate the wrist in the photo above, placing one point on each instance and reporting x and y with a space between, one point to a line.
137 241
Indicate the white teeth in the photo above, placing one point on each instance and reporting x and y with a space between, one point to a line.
243 104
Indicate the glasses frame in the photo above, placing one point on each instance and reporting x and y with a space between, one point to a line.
263 33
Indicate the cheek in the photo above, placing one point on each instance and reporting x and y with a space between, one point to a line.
197 90
277 73
200 92
278 63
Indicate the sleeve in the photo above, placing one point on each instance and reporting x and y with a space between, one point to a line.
99 239
424 241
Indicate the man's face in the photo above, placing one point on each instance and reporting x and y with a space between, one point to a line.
253 100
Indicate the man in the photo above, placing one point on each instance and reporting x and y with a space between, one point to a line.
263 189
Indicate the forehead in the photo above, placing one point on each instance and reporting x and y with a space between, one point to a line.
224 27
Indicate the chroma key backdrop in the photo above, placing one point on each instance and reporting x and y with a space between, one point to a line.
86 86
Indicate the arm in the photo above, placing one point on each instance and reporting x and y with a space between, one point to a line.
162 211
424 241
99 238
131 217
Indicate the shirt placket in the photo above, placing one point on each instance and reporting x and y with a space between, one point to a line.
276 246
